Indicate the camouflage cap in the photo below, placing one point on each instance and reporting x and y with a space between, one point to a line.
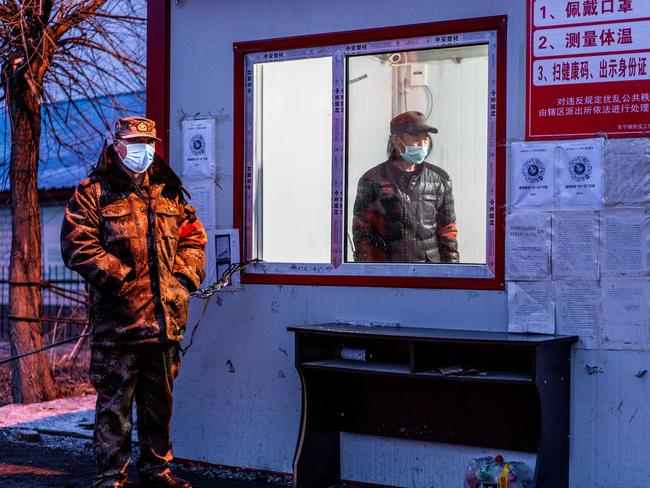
131 127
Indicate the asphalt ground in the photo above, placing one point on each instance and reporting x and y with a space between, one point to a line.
30 460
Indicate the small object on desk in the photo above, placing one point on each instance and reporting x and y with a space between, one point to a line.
459 370
354 354
446 370
489 472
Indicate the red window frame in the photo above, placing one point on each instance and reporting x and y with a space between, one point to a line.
158 21
241 49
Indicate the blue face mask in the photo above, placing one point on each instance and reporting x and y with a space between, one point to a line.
138 157
414 154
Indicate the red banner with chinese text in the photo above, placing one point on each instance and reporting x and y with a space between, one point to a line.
587 68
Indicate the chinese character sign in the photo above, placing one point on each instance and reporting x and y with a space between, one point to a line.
588 68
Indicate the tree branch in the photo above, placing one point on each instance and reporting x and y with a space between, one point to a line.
76 17
90 44
46 6
94 65
128 18
74 104
6 13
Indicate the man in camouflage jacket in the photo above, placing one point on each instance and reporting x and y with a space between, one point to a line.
131 235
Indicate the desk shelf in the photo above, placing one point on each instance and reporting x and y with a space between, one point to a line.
361 367
489 376
403 369
519 402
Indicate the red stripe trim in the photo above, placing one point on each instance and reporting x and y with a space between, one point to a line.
449 230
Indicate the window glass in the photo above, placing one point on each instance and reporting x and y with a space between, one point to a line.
333 195
400 209
292 151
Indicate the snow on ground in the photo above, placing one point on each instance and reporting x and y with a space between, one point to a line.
73 416
63 428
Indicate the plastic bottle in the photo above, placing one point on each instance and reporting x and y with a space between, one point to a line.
492 472
354 354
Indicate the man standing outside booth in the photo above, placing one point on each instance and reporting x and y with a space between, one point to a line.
404 208
130 234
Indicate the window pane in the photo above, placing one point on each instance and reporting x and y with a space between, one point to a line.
293 160
399 208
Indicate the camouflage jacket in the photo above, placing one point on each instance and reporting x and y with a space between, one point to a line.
405 216
141 250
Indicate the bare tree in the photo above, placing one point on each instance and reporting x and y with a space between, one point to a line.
53 54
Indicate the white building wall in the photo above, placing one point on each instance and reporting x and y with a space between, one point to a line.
51 219
51 259
5 234
238 395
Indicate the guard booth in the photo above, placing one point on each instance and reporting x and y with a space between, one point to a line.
274 111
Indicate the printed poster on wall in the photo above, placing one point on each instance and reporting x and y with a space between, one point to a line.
204 200
627 172
531 307
587 68
580 175
528 245
578 310
532 175
575 245
226 255
199 150
626 313
624 235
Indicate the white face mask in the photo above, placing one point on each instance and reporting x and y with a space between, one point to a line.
139 157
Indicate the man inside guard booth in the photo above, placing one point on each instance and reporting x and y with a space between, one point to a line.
404 209
129 232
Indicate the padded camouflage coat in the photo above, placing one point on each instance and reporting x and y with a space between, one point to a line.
132 245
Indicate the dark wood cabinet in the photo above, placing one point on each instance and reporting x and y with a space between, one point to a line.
513 393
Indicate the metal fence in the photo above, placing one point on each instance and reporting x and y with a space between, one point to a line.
61 317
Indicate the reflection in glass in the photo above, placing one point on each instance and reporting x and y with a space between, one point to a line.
293 161
416 188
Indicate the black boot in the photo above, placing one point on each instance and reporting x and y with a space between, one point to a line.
164 479
109 484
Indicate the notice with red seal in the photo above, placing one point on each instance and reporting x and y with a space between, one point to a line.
588 68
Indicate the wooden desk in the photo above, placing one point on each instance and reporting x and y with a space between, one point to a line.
519 401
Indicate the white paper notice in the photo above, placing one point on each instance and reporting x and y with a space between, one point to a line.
532 168
627 172
210 261
199 149
531 307
226 254
575 246
577 310
624 242
626 321
204 200
528 241
579 169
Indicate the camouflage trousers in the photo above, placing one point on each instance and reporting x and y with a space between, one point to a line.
121 375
